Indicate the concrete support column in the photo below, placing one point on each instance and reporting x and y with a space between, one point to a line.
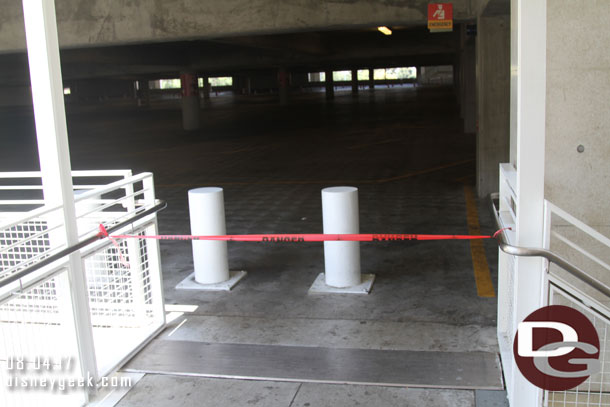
493 100
468 81
457 84
143 93
355 81
456 78
282 79
206 88
241 85
248 86
422 77
577 122
190 101
371 79
330 85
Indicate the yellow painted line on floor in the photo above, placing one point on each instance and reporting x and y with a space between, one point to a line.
482 277
329 181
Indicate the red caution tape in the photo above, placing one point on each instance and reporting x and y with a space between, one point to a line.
312 237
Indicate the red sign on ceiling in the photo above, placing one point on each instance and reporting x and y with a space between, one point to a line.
440 16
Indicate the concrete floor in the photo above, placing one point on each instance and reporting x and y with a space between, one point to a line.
403 148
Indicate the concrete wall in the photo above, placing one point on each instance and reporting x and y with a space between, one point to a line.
493 100
578 96
104 22
468 80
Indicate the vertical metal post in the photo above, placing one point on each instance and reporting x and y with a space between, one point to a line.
154 257
52 136
135 263
528 124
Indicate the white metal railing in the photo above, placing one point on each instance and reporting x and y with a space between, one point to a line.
506 272
123 290
589 250
577 274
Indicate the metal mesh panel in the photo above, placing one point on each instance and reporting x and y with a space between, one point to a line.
596 390
23 244
121 301
110 285
37 327
123 286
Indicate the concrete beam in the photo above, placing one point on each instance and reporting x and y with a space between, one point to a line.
347 50
101 22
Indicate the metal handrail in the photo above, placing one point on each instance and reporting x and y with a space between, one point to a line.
540 252
102 189
159 205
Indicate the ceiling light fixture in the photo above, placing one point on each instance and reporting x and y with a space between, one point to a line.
385 30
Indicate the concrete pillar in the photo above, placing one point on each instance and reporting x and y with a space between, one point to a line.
206 88
371 79
577 168
190 101
456 78
355 81
457 63
241 85
282 79
143 93
468 81
330 85
422 78
493 100
248 89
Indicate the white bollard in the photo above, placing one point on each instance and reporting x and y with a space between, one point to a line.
207 212
340 215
